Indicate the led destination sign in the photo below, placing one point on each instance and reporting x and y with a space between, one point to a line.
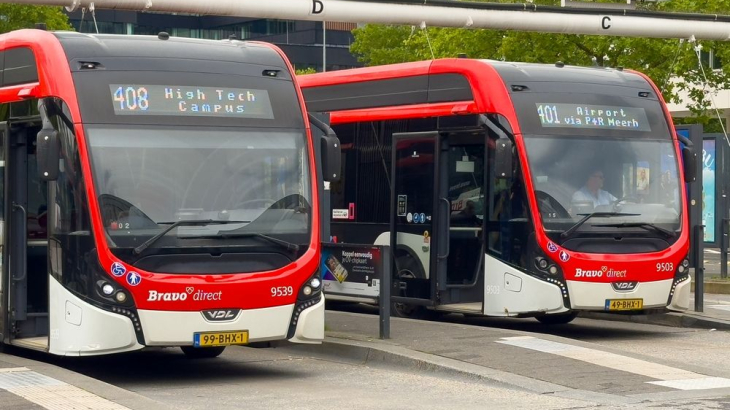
592 116
136 99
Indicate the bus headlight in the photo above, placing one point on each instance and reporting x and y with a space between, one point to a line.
315 283
121 297
107 289
307 290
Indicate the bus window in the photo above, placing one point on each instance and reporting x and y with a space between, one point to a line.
509 228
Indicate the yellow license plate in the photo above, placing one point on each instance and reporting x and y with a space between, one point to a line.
624 304
207 339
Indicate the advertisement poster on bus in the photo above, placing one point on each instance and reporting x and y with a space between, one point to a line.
708 189
351 270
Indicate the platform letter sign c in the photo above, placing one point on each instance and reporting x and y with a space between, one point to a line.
606 23
317 7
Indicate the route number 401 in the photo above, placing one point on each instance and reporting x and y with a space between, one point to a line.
665 267
279 291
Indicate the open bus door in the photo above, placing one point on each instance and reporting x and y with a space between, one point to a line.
25 244
4 282
437 223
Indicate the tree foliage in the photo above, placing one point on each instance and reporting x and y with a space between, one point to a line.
303 71
671 63
18 16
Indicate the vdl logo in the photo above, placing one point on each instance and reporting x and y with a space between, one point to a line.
220 315
624 286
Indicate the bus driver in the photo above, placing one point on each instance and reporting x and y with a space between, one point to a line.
591 193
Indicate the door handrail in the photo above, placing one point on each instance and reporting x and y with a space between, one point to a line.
25 232
448 228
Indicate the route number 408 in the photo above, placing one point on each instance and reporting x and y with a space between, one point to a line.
279 291
665 267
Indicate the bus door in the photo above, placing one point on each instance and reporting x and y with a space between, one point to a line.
462 186
415 203
4 321
25 238
438 219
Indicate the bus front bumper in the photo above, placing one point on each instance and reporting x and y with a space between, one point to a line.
165 328
595 296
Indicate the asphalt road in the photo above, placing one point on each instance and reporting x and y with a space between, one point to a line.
285 378
281 379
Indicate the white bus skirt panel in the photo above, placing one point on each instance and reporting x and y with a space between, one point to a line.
509 292
80 329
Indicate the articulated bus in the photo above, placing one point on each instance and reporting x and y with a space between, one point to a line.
157 192
509 189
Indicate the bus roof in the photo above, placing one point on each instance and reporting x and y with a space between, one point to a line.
94 46
451 86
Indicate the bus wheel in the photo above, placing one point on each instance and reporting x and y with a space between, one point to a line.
407 311
202 352
408 268
560 319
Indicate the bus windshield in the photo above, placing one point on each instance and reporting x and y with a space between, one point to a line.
618 185
251 181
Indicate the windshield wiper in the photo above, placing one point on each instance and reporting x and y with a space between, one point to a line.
646 225
284 244
592 215
184 222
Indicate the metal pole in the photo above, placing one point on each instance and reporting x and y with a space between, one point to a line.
699 269
384 298
723 248
324 46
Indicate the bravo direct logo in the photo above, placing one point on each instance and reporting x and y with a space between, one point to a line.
605 271
199 295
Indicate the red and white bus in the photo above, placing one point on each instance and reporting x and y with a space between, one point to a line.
157 192
509 189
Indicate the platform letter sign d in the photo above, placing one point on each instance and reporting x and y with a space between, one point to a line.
317 7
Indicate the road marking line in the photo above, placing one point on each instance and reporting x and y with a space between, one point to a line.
712 251
695 384
720 307
50 393
669 376
13 369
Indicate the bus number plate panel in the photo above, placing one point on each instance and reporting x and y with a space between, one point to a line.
624 304
208 339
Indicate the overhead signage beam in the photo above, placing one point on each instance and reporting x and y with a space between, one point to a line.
522 17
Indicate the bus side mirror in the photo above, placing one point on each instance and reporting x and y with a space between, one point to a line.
331 158
503 158
48 153
689 159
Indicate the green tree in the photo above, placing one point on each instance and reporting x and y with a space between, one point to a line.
302 71
671 63
17 16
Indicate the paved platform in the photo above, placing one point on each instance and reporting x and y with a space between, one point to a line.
538 363
29 385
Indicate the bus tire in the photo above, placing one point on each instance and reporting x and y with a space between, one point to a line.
561 319
407 266
202 352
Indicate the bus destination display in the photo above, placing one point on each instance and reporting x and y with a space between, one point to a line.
592 116
136 99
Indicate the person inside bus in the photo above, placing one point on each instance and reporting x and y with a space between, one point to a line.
591 194
467 216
